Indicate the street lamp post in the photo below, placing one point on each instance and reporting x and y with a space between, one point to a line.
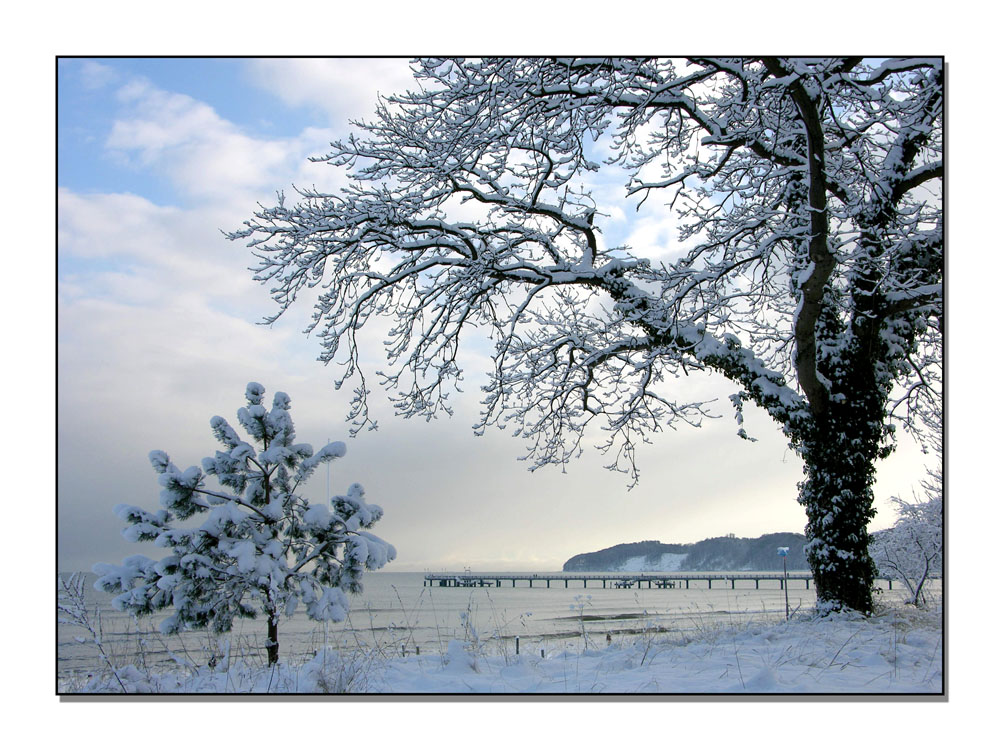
783 552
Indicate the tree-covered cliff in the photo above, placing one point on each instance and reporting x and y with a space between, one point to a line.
714 554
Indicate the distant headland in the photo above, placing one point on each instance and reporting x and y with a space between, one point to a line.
728 553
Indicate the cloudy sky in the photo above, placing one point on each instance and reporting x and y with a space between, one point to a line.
158 331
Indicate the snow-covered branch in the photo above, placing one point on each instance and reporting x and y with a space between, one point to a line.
807 195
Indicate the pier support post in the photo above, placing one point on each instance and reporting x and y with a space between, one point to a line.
733 582
566 582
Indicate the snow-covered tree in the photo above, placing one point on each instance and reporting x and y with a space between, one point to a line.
912 551
808 193
259 548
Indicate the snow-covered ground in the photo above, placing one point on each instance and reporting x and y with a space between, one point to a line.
899 652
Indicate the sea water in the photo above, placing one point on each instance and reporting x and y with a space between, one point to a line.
397 614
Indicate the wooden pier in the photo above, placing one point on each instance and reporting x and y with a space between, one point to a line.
660 580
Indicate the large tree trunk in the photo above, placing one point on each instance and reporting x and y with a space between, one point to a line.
838 497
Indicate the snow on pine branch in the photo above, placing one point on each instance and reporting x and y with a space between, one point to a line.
259 547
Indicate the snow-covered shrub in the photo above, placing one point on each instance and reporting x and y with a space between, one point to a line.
912 551
260 548
332 671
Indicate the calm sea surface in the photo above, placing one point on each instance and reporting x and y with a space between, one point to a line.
397 614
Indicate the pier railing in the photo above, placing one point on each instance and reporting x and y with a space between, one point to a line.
660 580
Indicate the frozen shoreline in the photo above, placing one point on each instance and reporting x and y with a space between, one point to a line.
897 652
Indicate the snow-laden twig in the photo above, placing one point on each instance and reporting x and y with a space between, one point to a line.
72 608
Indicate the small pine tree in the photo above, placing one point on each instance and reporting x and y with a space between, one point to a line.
260 548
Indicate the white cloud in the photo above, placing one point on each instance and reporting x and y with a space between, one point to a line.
94 75
109 225
649 236
205 156
343 88
124 248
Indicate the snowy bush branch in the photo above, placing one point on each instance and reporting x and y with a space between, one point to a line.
912 551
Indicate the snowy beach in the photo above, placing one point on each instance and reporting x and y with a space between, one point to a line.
403 638
898 653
